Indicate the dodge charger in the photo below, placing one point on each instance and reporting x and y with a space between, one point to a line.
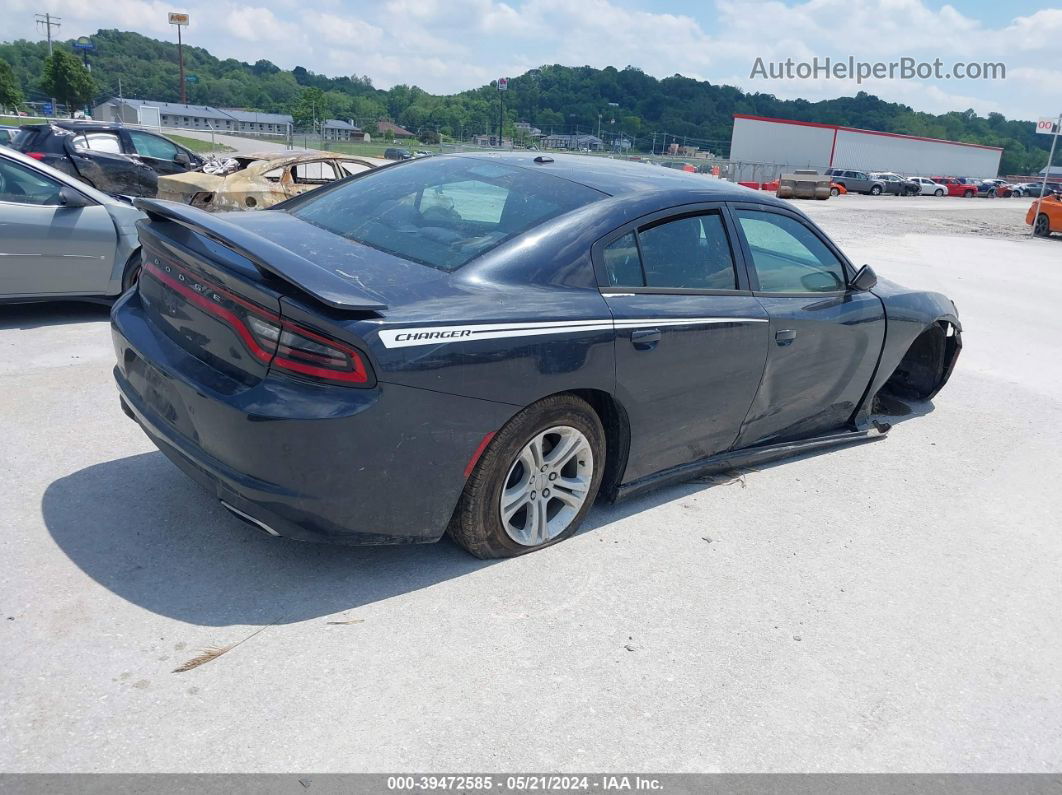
484 344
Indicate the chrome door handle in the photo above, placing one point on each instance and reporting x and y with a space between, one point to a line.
646 339
785 337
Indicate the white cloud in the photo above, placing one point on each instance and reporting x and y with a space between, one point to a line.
451 45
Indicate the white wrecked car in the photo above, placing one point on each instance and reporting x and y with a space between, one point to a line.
257 181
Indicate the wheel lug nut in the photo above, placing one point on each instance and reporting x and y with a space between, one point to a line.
534 495
552 475
545 492
544 468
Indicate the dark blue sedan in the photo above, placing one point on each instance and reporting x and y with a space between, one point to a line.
484 344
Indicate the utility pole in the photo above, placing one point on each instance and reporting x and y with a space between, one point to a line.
180 20
47 21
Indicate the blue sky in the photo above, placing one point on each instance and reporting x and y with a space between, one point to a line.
450 45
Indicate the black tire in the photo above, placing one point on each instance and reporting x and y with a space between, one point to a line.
477 523
938 192
131 274
1042 228
969 194
875 190
834 192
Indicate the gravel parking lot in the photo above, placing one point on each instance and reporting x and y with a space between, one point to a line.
887 607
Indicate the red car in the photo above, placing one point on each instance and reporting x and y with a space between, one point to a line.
957 186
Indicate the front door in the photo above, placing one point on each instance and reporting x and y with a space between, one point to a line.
691 338
46 248
157 152
824 338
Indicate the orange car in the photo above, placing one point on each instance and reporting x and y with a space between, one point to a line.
837 189
1049 218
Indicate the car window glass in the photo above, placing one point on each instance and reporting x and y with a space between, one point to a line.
623 268
691 253
442 211
98 142
316 172
788 256
153 145
472 200
22 185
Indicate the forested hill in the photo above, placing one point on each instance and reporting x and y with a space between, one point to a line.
553 98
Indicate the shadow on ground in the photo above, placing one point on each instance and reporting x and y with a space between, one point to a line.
27 316
143 530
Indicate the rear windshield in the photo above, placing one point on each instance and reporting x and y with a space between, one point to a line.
442 211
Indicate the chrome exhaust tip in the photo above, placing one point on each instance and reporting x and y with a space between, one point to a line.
248 518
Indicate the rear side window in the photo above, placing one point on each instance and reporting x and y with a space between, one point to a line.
98 142
442 211
691 253
317 172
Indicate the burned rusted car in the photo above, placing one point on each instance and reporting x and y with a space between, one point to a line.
800 185
257 181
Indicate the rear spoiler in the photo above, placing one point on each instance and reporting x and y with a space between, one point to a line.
327 287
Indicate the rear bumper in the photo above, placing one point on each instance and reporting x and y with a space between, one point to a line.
315 463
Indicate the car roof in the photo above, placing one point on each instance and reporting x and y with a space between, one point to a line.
620 177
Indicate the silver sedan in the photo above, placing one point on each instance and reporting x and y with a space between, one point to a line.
60 238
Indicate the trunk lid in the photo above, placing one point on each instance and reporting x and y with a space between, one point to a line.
218 290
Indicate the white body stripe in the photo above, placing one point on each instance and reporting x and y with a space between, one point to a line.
439 335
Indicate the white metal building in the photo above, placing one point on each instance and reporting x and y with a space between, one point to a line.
763 148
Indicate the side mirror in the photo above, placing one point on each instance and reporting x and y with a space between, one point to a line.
72 199
864 280
181 159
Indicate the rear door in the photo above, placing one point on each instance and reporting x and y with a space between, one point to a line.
824 338
691 339
46 248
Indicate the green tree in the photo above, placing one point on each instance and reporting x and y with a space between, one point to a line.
67 80
10 93
309 107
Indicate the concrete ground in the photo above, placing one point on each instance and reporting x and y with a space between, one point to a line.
887 607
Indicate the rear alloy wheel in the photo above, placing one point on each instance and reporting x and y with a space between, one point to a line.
835 192
875 190
968 194
535 482
938 192
1043 226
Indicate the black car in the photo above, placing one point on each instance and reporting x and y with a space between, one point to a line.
481 344
896 184
110 157
397 153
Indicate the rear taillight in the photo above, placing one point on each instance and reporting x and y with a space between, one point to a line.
35 155
271 339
